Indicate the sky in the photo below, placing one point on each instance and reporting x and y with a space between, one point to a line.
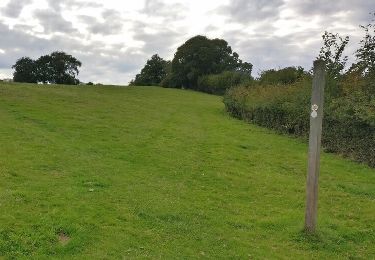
114 38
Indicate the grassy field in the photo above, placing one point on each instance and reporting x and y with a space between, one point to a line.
146 172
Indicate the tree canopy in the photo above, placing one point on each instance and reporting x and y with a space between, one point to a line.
332 53
57 68
202 56
152 73
25 70
197 57
365 54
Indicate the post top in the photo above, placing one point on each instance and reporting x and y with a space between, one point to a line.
319 62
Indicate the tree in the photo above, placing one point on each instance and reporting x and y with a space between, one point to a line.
152 73
202 56
332 53
25 70
365 54
58 68
44 69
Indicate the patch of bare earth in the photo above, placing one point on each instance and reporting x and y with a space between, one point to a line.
63 238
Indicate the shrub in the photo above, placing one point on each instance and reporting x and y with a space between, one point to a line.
286 75
219 83
348 124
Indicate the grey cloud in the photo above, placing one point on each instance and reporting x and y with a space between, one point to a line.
117 67
58 5
161 9
356 12
162 42
244 11
106 28
55 5
53 22
15 7
18 44
276 52
113 23
113 66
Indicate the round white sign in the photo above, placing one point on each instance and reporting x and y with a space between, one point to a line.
314 114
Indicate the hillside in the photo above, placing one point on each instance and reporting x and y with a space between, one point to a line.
137 172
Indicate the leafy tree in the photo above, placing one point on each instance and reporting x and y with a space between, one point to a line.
152 73
332 53
44 69
365 54
58 68
201 56
25 70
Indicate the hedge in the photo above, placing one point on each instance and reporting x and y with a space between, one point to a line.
348 123
219 83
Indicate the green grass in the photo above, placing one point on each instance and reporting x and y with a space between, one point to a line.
146 172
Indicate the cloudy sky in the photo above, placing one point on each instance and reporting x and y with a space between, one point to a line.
114 38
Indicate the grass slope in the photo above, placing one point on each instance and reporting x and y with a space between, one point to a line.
110 172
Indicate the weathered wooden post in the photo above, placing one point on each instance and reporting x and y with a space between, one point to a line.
316 119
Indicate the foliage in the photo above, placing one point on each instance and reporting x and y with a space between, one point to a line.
278 107
57 68
194 60
202 56
170 81
332 53
286 75
349 121
349 114
365 54
219 83
25 70
152 173
152 73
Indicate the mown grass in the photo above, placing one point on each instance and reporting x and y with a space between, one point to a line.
146 172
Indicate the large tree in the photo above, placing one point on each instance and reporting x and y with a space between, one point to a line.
152 73
202 56
25 70
57 68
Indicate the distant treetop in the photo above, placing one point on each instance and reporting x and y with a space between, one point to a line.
56 68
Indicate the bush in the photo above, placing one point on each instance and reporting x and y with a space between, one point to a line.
219 83
286 75
348 124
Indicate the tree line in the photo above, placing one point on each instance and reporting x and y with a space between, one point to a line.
55 68
197 58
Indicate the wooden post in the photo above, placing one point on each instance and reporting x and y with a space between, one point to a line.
316 118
